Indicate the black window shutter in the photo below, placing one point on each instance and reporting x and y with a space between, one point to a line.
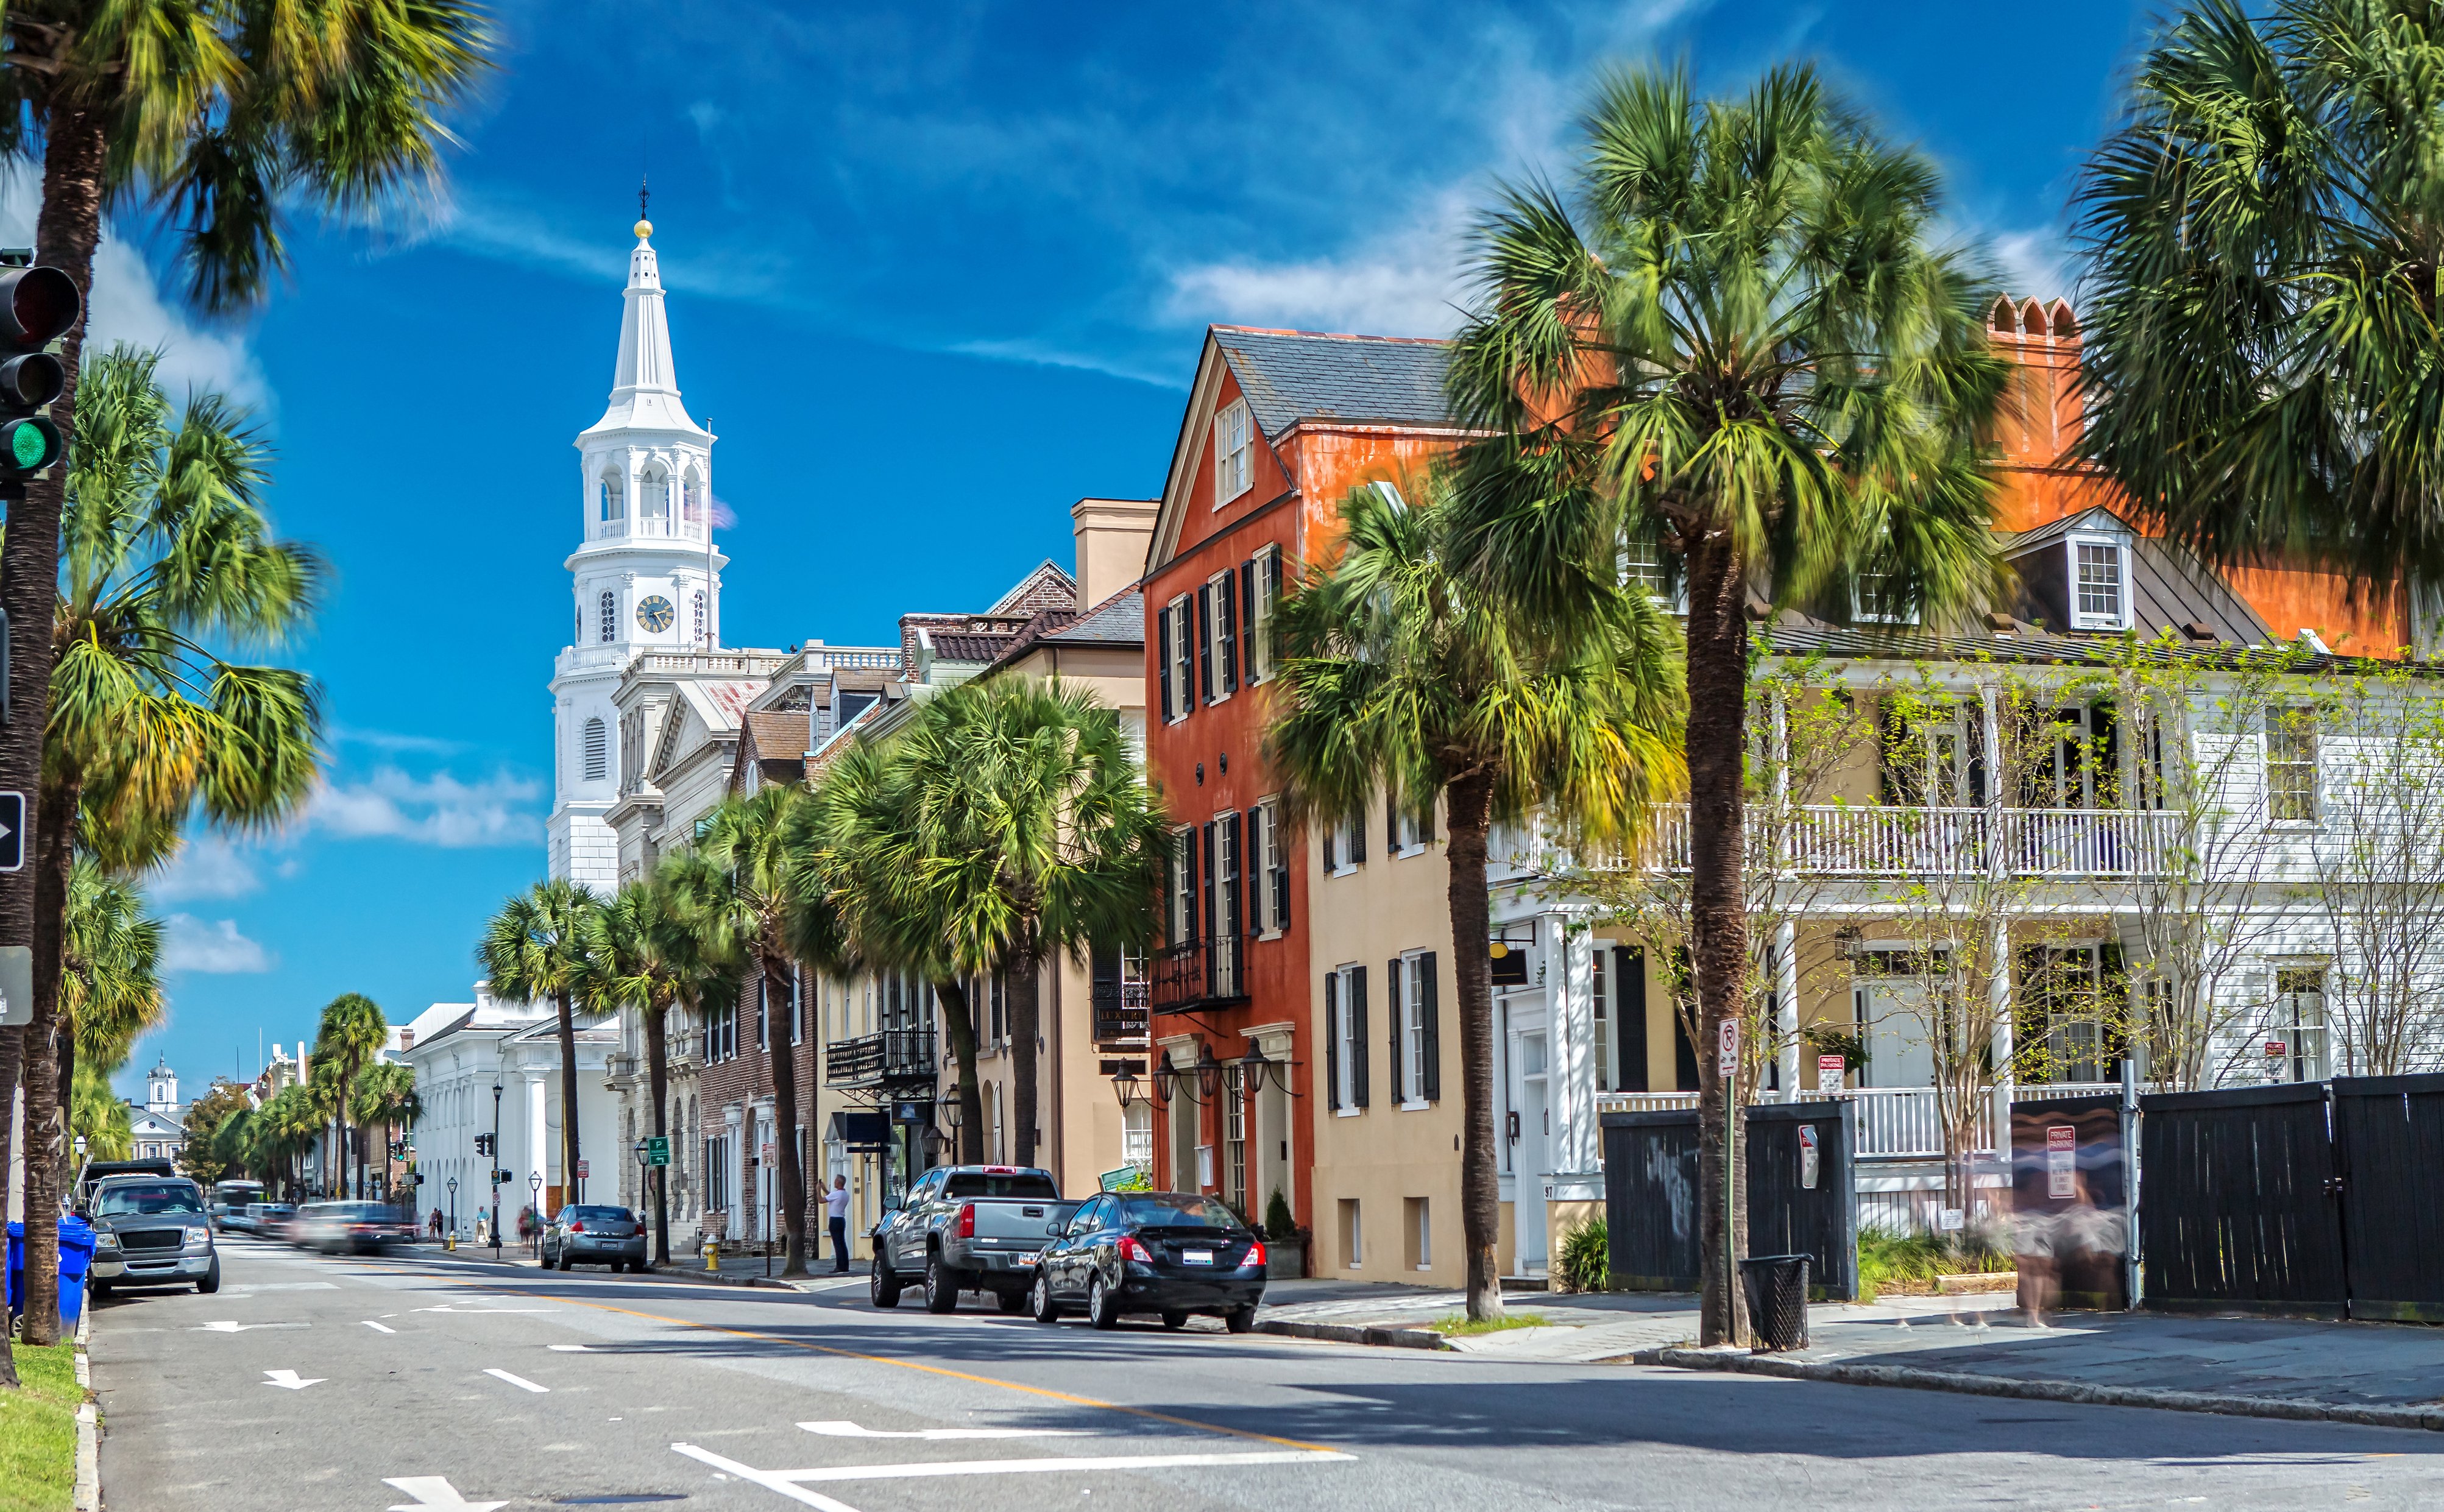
1239 862
1281 866
1426 820
1332 1037
1209 879
1358 1035
1629 1016
1397 1085
1205 643
1331 849
1162 651
1430 1011
1188 879
1357 834
1247 620
1390 820
1226 621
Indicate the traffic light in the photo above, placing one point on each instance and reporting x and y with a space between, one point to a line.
37 307
483 1144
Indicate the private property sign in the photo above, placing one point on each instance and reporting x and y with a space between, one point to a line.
2062 1160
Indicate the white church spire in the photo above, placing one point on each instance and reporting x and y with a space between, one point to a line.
644 381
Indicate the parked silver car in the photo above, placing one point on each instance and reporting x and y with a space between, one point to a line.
151 1231
588 1235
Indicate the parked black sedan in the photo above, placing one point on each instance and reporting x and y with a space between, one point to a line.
1173 1253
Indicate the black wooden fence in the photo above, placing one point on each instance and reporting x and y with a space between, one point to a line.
1802 1194
2389 1142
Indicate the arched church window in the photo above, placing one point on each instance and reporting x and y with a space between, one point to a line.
597 750
699 614
613 497
610 605
692 505
656 510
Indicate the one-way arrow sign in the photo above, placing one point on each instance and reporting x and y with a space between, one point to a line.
12 831
436 1490
289 1379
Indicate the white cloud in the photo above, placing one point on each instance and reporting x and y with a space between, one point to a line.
438 810
214 946
208 866
2033 263
1403 283
129 305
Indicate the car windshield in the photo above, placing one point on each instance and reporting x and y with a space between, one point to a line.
1174 1210
147 1198
595 1215
1030 1186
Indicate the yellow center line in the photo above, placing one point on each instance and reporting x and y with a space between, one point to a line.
904 1364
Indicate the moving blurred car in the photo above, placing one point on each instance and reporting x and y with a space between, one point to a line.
270 1220
1174 1253
595 1236
229 1200
351 1228
151 1231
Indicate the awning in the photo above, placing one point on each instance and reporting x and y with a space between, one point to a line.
860 1130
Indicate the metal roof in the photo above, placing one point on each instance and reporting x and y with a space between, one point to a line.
1294 376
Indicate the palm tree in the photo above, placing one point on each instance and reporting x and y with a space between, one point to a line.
110 990
386 1095
349 1038
1739 342
740 889
1400 675
643 951
167 557
220 116
1024 832
534 949
2261 324
282 1131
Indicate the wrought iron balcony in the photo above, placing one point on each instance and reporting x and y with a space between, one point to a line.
1200 974
1120 1013
879 1060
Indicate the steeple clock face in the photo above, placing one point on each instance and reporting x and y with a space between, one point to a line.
656 614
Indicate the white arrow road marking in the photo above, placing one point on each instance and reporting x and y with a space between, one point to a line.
289 1379
379 1328
850 1431
570 1349
516 1380
789 1483
231 1325
765 1479
436 1490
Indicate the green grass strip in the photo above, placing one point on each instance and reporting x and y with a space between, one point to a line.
38 1432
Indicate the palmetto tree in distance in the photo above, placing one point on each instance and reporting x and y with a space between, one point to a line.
1399 675
643 951
348 1037
386 1097
1738 340
2261 342
534 950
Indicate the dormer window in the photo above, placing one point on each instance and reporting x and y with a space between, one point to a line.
2100 583
1234 452
1873 601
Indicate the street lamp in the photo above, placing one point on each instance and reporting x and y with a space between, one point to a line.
496 1171
534 1202
453 1184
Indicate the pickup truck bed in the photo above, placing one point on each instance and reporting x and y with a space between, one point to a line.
969 1228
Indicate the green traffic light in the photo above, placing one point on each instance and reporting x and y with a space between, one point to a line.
32 444
26 447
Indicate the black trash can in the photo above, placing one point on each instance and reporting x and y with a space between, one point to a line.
1777 1290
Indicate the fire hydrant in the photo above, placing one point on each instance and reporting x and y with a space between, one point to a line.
713 1254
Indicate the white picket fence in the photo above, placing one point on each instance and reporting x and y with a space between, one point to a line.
1894 1123
1866 839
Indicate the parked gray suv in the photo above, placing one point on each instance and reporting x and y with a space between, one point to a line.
151 1231
583 1235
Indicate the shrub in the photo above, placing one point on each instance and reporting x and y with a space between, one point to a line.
1885 1259
1587 1258
1279 1223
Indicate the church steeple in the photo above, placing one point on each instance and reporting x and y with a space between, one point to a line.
644 381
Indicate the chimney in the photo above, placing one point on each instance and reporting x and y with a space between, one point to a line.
1113 535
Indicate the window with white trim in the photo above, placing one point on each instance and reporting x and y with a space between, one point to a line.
2291 765
1179 925
1220 620
1272 868
1183 660
1234 452
1411 827
613 497
609 605
1345 844
1264 596
1413 1009
2100 583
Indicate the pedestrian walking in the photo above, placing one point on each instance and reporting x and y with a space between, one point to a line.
435 1224
836 1211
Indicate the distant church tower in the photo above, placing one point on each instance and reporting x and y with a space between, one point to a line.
161 1089
647 577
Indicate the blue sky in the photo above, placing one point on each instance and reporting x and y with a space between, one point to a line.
936 272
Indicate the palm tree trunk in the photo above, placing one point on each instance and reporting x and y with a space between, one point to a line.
1026 1015
47 1111
1717 743
959 1021
657 1081
778 1006
568 1145
1471 803
12 1050
66 235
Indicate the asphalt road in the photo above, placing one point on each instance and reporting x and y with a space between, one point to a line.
344 1384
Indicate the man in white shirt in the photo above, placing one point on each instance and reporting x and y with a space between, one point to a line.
836 1209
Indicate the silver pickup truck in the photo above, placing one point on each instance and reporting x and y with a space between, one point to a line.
968 1229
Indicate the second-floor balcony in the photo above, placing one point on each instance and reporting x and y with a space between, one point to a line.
1120 1013
1200 974
880 1059
1877 840
1894 1123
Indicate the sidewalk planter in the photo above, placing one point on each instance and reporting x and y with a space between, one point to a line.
1285 1258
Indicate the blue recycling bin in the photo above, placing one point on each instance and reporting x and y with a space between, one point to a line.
76 1258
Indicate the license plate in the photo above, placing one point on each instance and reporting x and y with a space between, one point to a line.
1196 1257
1027 1260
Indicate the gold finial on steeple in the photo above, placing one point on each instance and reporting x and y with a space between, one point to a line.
644 193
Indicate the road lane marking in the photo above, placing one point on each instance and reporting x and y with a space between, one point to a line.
792 1484
572 1349
289 1380
379 1328
250 1287
851 1431
231 1325
466 1312
436 1490
516 1380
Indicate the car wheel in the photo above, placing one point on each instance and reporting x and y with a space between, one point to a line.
102 1291
941 1287
211 1281
1040 1301
565 1261
1175 1321
1239 1319
1010 1301
1102 1308
885 1289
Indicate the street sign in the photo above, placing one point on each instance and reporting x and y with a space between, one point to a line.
12 832
658 1150
1808 1157
1729 1060
16 984
582 1171
1830 1069
2062 1160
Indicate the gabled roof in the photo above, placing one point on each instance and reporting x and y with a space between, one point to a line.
1048 586
1294 376
1118 620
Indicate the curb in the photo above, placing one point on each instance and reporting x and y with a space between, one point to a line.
88 1418
1354 1333
679 1272
1911 1379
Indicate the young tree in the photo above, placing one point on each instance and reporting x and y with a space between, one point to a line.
1400 676
534 949
1741 343
213 1125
